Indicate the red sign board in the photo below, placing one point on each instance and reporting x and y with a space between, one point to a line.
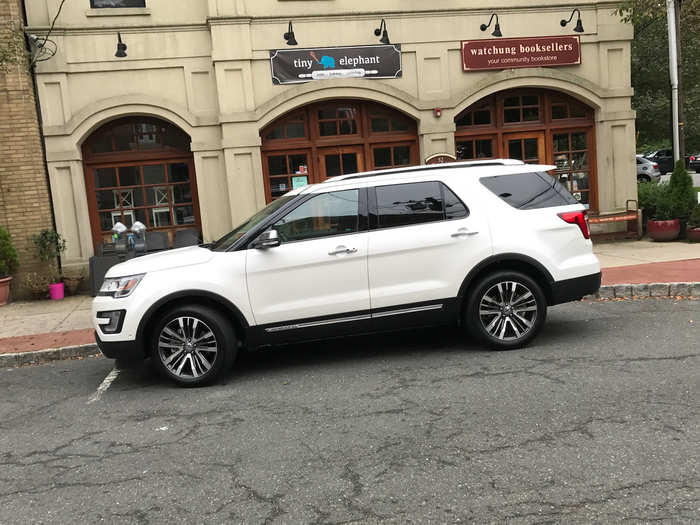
509 53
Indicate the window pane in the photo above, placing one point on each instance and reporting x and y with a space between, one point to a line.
561 142
561 161
515 149
178 172
382 157
465 120
577 111
105 177
117 3
328 128
277 165
327 214
406 204
511 115
484 149
154 174
124 139
157 195
511 101
482 117
298 164
454 208
279 186
160 217
184 215
332 165
181 194
559 111
147 136
295 130
531 100
579 161
328 113
276 133
578 141
380 124
101 144
107 199
108 219
349 163
465 150
530 114
131 198
348 127
527 191
402 155
129 176
531 149
399 125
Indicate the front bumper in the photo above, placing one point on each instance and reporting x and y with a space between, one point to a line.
574 289
122 350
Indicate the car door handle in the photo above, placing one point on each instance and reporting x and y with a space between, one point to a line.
464 232
342 249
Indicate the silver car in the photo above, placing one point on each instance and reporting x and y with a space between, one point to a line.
647 171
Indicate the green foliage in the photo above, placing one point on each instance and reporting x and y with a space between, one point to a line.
50 245
681 191
12 49
8 255
37 283
694 218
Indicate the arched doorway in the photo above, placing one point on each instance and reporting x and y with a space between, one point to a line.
140 169
335 137
535 126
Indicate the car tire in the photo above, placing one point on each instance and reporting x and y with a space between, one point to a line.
643 178
506 310
193 345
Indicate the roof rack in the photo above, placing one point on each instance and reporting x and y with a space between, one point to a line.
451 165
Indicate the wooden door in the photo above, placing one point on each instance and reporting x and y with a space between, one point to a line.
528 147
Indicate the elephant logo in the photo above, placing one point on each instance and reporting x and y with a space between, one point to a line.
326 61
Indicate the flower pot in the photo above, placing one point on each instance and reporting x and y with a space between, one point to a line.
663 230
692 234
4 289
56 291
72 284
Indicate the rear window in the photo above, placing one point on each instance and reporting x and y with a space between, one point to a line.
529 191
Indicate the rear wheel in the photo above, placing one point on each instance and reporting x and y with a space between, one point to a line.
643 178
506 310
193 344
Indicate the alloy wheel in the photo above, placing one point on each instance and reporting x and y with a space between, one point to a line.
508 310
187 347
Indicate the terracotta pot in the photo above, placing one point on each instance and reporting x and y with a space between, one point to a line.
72 284
4 289
663 230
692 234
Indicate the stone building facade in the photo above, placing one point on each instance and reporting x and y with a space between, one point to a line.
25 206
190 129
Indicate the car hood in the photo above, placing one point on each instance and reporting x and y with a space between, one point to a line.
165 260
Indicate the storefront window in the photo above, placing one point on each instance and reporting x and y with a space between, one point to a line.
571 159
337 121
521 108
478 116
117 3
391 156
476 148
287 172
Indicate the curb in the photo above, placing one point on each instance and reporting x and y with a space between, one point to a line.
640 291
46 356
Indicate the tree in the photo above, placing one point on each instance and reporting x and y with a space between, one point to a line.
650 77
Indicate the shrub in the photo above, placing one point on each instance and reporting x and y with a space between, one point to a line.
648 195
682 193
50 245
665 209
37 283
694 218
8 255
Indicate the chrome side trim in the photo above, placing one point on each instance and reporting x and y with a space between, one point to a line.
317 323
409 310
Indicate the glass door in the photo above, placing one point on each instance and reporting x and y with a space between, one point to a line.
342 160
528 147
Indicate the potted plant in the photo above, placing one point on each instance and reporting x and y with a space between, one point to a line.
37 284
663 225
692 231
8 264
72 277
51 245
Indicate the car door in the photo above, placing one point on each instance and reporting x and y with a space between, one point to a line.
423 242
317 276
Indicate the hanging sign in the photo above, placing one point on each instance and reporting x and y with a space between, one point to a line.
510 53
440 158
291 66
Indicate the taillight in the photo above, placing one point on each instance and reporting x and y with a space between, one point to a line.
579 218
692 158
656 166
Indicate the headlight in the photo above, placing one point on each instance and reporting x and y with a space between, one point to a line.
120 286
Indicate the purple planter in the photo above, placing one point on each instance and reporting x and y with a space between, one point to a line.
663 230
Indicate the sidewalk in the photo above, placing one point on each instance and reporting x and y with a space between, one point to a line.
26 328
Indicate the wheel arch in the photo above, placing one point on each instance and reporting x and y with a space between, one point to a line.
200 297
508 261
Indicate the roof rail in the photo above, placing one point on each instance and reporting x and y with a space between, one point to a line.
450 165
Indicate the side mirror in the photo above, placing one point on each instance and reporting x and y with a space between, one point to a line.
268 239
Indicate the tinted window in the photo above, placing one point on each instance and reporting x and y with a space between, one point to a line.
407 204
326 214
528 191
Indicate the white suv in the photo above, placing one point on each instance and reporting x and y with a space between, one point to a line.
486 244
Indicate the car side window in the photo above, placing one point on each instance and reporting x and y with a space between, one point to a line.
324 215
416 203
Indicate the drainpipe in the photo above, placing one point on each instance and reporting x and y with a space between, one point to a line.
673 70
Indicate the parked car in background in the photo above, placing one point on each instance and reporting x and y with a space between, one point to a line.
694 162
647 171
664 158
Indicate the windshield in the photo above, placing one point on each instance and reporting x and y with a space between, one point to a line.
227 240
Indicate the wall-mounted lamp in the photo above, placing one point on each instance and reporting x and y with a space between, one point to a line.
289 35
496 29
381 30
579 25
121 47
437 112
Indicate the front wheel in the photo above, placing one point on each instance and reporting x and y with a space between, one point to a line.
193 344
506 310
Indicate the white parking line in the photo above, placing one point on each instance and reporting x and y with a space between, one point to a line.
106 383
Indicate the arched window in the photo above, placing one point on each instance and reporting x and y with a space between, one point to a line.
140 169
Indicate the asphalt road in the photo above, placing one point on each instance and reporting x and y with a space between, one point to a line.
598 421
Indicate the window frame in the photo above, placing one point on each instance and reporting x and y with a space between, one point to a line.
374 206
93 6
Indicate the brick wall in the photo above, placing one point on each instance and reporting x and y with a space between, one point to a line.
24 195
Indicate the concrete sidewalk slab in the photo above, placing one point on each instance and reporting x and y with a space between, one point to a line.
40 317
627 253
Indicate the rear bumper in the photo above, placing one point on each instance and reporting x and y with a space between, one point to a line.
122 350
574 289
